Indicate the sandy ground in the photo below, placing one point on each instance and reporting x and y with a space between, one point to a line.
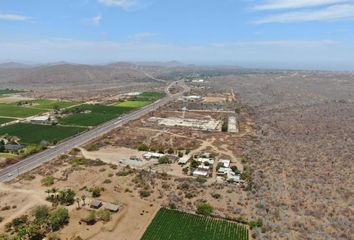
14 98
214 99
20 200
118 155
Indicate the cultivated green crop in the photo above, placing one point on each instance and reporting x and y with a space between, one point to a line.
12 110
8 91
49 104
174 225
34 134
133 104
148 96
6 120
95 115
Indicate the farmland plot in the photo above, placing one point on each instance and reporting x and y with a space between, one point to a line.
34 134
93 115
174 225
6 120
12 110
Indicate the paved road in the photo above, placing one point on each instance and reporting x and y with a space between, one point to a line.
38 159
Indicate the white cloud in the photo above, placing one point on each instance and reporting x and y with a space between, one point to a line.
331 13
290 4
124 4
142 35
94 21
14 17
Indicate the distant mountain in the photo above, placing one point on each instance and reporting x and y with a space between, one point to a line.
10 65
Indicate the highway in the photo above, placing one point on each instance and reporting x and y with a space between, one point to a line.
38 159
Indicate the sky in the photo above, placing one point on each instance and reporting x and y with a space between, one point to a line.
294 34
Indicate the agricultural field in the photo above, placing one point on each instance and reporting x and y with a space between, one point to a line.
133 104
8 91
171 224
93 115
148 96
6 120
12 110
34 134
141 100
50 104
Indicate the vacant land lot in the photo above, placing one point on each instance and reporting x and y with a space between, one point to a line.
50 104
92 115
34 134
302 159
6 120
12 110
174 225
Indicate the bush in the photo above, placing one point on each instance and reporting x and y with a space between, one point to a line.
205 209
256 224
170 151
189 195
201 179
95 191
143 147
90 219
144 193
107 181
185 170
216 195
225 124
104 215
164 160
47 181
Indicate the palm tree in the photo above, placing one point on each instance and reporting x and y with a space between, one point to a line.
48 191
83 198
78 202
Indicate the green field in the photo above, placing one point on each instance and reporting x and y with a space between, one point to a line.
34 134
49 104
148 96
12 110
8 91
97 114
133 104
174 225
6 120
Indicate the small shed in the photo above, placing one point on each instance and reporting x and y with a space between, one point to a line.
112 207
96 204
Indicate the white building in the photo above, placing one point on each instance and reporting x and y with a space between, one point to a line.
152 155
210 161
191 97
183 160
198 81
225 163
40 119
200 173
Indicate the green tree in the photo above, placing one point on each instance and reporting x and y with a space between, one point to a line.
164 160
41 214
66 197
104 215
58 218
